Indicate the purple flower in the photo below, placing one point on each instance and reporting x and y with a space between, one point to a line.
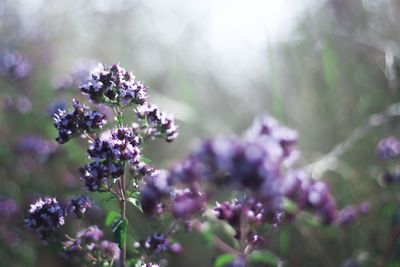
388 148
15 65
108 250
57 105
89 241
36 146
158 124
96 174
79 121
114 86
8 207
121 145
157 186
45 216
187 202
90 234
110 153
79 205
158 243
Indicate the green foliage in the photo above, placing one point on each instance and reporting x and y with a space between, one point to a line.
264 256
223 260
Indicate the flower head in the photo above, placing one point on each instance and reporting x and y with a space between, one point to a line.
45 216
79 121
114 86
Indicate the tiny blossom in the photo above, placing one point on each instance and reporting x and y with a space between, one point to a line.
122 145
90 234
79 205
8 207
388 148
349 214
149 265
109 154
15 65
238 262
96 174
53 108
158 123
79 121
89 241
109 250
158 243
157 186
187 202
115 86
45 217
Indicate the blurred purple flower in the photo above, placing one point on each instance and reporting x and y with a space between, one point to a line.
14 65
388 148
8 207
36 146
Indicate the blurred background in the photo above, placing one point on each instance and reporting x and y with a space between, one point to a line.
322 67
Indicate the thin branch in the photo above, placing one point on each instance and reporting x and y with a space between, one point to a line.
373 121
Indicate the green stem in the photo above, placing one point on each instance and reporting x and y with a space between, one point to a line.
122 202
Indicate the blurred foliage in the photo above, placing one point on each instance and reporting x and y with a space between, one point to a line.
338 67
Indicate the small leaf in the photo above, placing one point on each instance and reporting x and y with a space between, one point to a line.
135 202
264 256
223 260
289 205
111 217
119 230
145 160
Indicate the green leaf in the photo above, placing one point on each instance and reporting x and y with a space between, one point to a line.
223 260
289 205
263 256
135 202
119 230
145 160
111 217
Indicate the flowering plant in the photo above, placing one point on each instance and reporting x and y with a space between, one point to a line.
251 178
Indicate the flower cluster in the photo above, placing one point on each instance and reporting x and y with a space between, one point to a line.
158 243
79 205
80 120
114 86
252 162
109 154
15 65
45 217
158 186
88 243
187 202
258 163
157 123
388 148
311 195
350 213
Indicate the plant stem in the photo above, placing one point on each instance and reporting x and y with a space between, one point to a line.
122 202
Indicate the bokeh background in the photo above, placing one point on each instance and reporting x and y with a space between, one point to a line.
323 67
